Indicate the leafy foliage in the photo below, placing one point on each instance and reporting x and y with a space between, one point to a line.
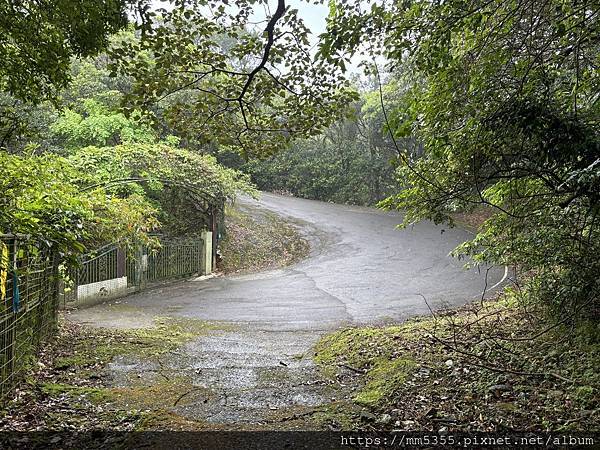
38 39
42 198
183 186
117 180
217 79
63 122
108 194
22 124
349 163
97 125
504 101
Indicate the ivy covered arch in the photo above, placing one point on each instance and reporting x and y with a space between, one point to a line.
188 190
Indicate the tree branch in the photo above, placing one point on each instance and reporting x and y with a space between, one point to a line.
270 30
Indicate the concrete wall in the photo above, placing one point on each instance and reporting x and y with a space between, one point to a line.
106 288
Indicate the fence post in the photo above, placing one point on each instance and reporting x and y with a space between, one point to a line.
207 256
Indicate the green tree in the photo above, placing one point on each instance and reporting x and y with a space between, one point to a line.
100 195
504 100
42 197
97 125
217 79
350 162
38 40
24 122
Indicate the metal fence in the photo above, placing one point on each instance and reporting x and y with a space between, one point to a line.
101 265
29 295
174 259
113 271
30 288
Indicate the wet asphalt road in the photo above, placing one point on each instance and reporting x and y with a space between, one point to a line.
361 269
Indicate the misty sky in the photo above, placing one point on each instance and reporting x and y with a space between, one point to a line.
313 16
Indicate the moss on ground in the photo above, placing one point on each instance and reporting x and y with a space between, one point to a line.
382 379
371 350
260 240
484 367
360 347
339 415
99 346
67 391
95 395
163 394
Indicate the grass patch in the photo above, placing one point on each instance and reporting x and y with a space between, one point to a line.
384 375
486 367
66 390
259 240
373 351
337 416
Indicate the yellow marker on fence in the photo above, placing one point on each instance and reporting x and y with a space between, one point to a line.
3 269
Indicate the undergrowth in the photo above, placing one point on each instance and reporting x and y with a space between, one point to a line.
488 366
67 389
259 240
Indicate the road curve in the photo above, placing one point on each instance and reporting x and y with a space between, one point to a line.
362 269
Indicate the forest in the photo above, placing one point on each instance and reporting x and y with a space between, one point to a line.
124 120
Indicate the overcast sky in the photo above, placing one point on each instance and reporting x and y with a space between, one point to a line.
313 16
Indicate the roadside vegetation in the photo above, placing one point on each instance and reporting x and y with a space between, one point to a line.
69 388
257 239
352 161
493 366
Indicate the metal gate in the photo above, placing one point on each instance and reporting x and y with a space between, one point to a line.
113 271
174 259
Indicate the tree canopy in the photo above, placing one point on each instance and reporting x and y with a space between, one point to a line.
218 77
504 98
38 40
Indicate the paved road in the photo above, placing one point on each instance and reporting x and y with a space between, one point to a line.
362 269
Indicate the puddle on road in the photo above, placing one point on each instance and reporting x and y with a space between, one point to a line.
230 377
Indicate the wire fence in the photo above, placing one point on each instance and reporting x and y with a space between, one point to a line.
29 294
113 271
31 286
